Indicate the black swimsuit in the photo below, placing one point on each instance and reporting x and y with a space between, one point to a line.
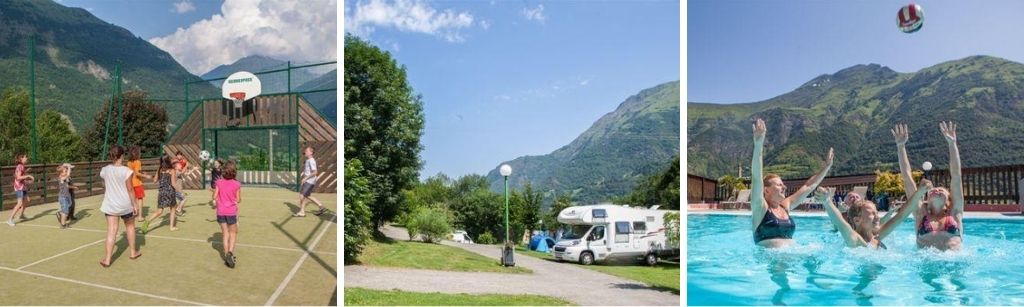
772 227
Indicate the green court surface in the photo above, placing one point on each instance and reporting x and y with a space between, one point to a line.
282 260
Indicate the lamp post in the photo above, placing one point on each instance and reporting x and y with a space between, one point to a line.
927 166
507 252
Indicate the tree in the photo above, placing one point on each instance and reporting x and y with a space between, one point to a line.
661 188
58 143
561 202
524 210
357 214
733 184
145 125
15 136
383 125
476 208
432 223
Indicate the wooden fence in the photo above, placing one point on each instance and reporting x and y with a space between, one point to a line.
85 176
700 189
991 185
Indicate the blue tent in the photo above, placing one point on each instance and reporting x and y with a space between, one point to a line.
541 243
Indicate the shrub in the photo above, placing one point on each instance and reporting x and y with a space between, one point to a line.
485 238
431 223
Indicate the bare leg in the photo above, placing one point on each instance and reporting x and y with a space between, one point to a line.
302 206
63 219
138 208
233 231
174 221
154 215
224 237
130 233
315 201
111 237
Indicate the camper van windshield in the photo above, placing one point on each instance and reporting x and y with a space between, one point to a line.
575 232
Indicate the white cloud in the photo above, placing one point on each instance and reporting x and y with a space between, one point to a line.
484 24
585 82
407 16
535 14
395 46
183 6
301 31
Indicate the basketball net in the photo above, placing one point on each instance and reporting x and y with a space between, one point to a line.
238 98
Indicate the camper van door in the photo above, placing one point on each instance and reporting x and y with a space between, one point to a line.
598 241
622 236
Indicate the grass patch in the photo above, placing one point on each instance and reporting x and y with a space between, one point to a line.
428 256
664 276
363 297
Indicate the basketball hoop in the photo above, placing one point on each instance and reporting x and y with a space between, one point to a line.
238 98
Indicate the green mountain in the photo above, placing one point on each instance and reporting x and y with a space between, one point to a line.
853 111
75 56
639 138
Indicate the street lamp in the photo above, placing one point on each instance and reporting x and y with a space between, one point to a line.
927 166
506 254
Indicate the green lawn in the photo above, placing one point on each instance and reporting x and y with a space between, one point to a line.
428 256
363 297
665 275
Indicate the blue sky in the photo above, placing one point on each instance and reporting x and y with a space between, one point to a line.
503 79
203 34
746 51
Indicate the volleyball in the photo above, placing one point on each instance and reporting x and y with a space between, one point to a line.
204 155
910 18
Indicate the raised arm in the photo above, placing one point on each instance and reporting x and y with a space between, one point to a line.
757 201
850 237
912 205
811 183
956 184
901 134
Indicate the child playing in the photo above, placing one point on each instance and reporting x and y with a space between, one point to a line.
229 195
215 174
166 198
20 187
309 178
179 188
134 154
64 194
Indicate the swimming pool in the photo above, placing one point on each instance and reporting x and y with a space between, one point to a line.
724 267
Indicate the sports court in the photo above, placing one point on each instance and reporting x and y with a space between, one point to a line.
282 260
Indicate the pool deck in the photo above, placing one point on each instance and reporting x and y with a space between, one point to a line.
969 214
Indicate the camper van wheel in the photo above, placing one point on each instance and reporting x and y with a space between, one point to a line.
651 259
586 258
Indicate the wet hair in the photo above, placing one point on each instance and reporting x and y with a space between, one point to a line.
165 163
229 170
134 153
18 157
116 152
857 208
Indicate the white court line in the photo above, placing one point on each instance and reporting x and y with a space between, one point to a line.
186 239
58 255
104 287
287 279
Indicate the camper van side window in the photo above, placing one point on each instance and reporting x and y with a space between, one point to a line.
597 234
639 227
600 213
621 228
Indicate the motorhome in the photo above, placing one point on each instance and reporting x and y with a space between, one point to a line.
611 232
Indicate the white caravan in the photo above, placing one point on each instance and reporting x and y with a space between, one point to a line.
607 232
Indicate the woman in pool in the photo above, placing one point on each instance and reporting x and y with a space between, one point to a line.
939 222
862 228
769 205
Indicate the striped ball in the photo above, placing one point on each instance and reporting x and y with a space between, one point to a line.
910 18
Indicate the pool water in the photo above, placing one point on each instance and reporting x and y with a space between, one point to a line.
724 267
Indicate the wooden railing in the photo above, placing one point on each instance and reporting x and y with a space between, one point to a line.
85 176
991 185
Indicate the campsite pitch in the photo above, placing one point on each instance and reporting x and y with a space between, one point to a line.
282 260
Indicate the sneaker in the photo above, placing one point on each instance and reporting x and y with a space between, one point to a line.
23 217
145 227
63 226
10 222
321 211
229 260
